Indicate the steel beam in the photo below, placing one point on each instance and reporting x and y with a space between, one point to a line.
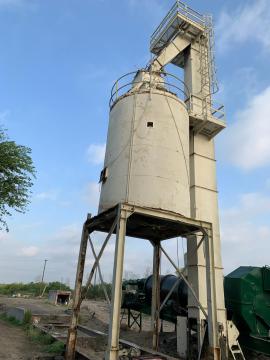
155 295
88 283
99 272
169 295
114 326
185 280
72 331
163 214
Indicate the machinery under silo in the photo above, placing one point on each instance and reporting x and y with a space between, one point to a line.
159 180
247 299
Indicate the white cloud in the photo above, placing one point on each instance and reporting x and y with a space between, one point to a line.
96 153
68 233
61 248
4 115
246 143
245 23
91 194
255 203
245 232
4 237
29 251
31 225
248 207
232 87
46 195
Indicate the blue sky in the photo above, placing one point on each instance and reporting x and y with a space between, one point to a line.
58 61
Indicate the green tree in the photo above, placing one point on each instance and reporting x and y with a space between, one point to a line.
16 174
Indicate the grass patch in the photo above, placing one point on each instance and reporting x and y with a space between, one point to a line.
50 345
57 347
27 319
38 336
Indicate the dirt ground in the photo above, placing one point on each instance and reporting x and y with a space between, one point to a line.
94 315
15 345
35 305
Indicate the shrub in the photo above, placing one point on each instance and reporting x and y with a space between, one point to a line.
27 320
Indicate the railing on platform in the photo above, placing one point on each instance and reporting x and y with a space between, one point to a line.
178 8
169 82
218 111
195 105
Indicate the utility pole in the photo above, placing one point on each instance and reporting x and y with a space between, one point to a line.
45 262
43 273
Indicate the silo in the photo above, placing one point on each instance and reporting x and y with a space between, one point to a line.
147 151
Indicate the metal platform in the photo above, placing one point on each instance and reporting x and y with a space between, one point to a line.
147 223
209 125
154 225
180 18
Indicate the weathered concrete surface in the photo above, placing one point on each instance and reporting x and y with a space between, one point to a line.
16 312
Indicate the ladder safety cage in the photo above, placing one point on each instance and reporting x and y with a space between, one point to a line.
209 43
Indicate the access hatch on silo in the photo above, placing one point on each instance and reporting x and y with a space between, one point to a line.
181 18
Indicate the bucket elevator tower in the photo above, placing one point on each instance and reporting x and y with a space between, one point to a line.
159 176
185 39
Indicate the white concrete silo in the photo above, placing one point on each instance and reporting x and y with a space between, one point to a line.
147 152
159 182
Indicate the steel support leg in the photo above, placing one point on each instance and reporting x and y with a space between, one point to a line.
155 294
213 334
72 332
114 328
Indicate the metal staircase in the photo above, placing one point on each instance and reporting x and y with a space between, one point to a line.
237 352
233 342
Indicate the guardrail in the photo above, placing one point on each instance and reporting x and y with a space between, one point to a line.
218 111
171 83
178 8
196 106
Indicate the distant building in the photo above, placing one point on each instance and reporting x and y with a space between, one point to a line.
59 297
